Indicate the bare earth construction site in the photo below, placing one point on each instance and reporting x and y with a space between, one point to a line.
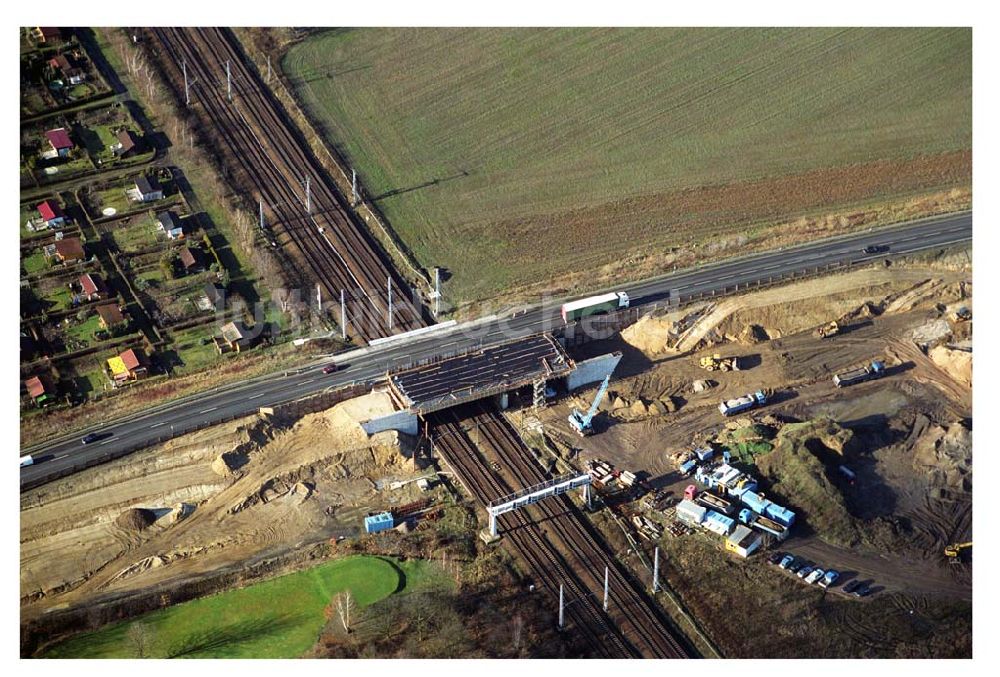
759 416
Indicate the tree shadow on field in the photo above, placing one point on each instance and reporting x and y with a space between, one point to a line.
250 630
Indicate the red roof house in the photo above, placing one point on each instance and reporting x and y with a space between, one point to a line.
135 363
59 138
93 287
50 212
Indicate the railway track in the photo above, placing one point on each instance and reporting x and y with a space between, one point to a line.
547 565
635 615
638 629
273 161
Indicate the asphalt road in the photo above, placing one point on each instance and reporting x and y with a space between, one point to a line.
58 456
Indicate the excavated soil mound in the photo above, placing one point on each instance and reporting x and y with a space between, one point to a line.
799 468
228 463
179 512
753 333
135 519
958 363
945 454
649 335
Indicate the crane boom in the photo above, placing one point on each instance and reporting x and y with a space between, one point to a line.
582 422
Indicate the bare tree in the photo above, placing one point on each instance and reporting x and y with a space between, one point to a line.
140 637
343 602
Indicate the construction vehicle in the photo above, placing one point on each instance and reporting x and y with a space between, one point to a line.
954 551
767 525
717 503
865 373
583 423
720 363
827 330
594 305
962 314
748 401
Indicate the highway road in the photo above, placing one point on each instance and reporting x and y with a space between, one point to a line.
60 455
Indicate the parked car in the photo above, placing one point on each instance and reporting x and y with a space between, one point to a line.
851 586
329 369
814 576
787 561
830 578
775 557
804 571
862 590
796 565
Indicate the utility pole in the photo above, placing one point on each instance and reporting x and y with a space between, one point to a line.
229 83
561 606
343 316
187 89
308 198
605 588
656 570
354 188
319 299
268 69
437 291
389 285
261 216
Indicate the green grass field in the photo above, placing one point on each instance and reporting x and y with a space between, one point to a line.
280 618
513 155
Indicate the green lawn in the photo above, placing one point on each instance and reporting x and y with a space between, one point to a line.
35 263
84 331
192 352
140 234
280 618
511 155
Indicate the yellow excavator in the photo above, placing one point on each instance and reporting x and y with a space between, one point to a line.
717 361
954 551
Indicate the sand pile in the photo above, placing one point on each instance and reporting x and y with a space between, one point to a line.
649 335
136 519
958 363
945 454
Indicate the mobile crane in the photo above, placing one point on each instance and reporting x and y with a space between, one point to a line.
583 423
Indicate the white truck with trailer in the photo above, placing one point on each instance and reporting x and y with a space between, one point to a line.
594 305
748 401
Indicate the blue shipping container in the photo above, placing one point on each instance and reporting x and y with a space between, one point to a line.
780 514
755 501
380 522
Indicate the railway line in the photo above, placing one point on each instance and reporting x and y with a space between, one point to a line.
561 551
547 565
636 616
272 160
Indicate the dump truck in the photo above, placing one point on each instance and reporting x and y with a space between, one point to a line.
717 503
594 305
865 373
827 330
752 519
748 401
719 363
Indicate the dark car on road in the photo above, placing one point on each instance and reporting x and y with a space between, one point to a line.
93 437
329 369
876 248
